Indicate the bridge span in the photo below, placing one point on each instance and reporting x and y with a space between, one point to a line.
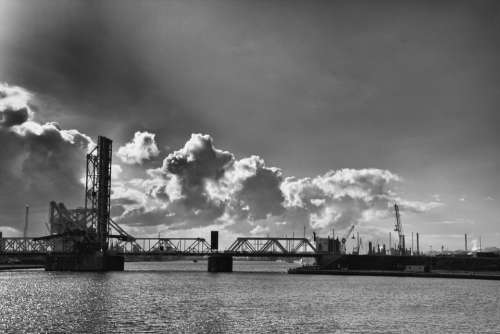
218 260
242 247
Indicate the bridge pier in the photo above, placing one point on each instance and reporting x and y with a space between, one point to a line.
84 262
220 263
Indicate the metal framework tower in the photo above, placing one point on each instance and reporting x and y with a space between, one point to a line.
399 228
98 190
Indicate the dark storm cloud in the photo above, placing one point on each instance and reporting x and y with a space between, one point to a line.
261 193
39 162
337 74
92 57
13 117
14 109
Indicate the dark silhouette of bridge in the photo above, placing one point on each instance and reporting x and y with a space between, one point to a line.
242 247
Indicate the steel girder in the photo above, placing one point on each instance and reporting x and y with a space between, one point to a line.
161 246
286 246
25 245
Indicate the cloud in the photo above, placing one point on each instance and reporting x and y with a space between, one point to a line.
250 189
176 192
197 160
457 221
436 197
8 231
200 185
340 198
14 109
116 171
142 147
39 162
417 206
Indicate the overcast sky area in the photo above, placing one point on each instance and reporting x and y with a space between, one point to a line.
257 117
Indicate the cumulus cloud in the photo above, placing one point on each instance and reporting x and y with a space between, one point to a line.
201 185
39 162
14 109
177 190
142 147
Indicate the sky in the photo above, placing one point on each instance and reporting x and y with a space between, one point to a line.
257 117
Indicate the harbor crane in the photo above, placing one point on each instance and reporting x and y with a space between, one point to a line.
346 236
399 228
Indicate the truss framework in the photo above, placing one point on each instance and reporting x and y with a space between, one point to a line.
98 190
285 246
161 246
248 247
26 246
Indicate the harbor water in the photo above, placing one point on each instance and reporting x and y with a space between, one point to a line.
259 297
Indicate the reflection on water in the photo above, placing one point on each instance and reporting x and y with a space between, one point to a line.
259 297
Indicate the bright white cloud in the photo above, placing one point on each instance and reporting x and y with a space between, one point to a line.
142 147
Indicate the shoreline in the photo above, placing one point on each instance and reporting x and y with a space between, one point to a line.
464 275
21 266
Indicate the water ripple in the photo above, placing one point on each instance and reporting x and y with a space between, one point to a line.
181 297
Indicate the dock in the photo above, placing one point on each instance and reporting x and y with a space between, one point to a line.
316 270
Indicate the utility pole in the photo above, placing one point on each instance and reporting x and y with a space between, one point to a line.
411 243
418 246
390 244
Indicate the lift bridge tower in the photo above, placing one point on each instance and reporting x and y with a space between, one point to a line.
84 236
98 191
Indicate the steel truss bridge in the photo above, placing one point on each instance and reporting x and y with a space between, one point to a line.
242 247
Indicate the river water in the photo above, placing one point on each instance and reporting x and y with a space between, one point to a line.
259 297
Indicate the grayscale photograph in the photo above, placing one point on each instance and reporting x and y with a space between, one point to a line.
249 166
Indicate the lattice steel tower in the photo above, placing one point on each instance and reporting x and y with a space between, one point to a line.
98 191
399 228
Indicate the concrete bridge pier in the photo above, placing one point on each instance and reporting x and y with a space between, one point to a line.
84 262
220 263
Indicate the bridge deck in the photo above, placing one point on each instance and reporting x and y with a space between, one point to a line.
242 247
179 254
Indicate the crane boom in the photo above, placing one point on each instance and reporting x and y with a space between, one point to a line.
345 237
349 231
